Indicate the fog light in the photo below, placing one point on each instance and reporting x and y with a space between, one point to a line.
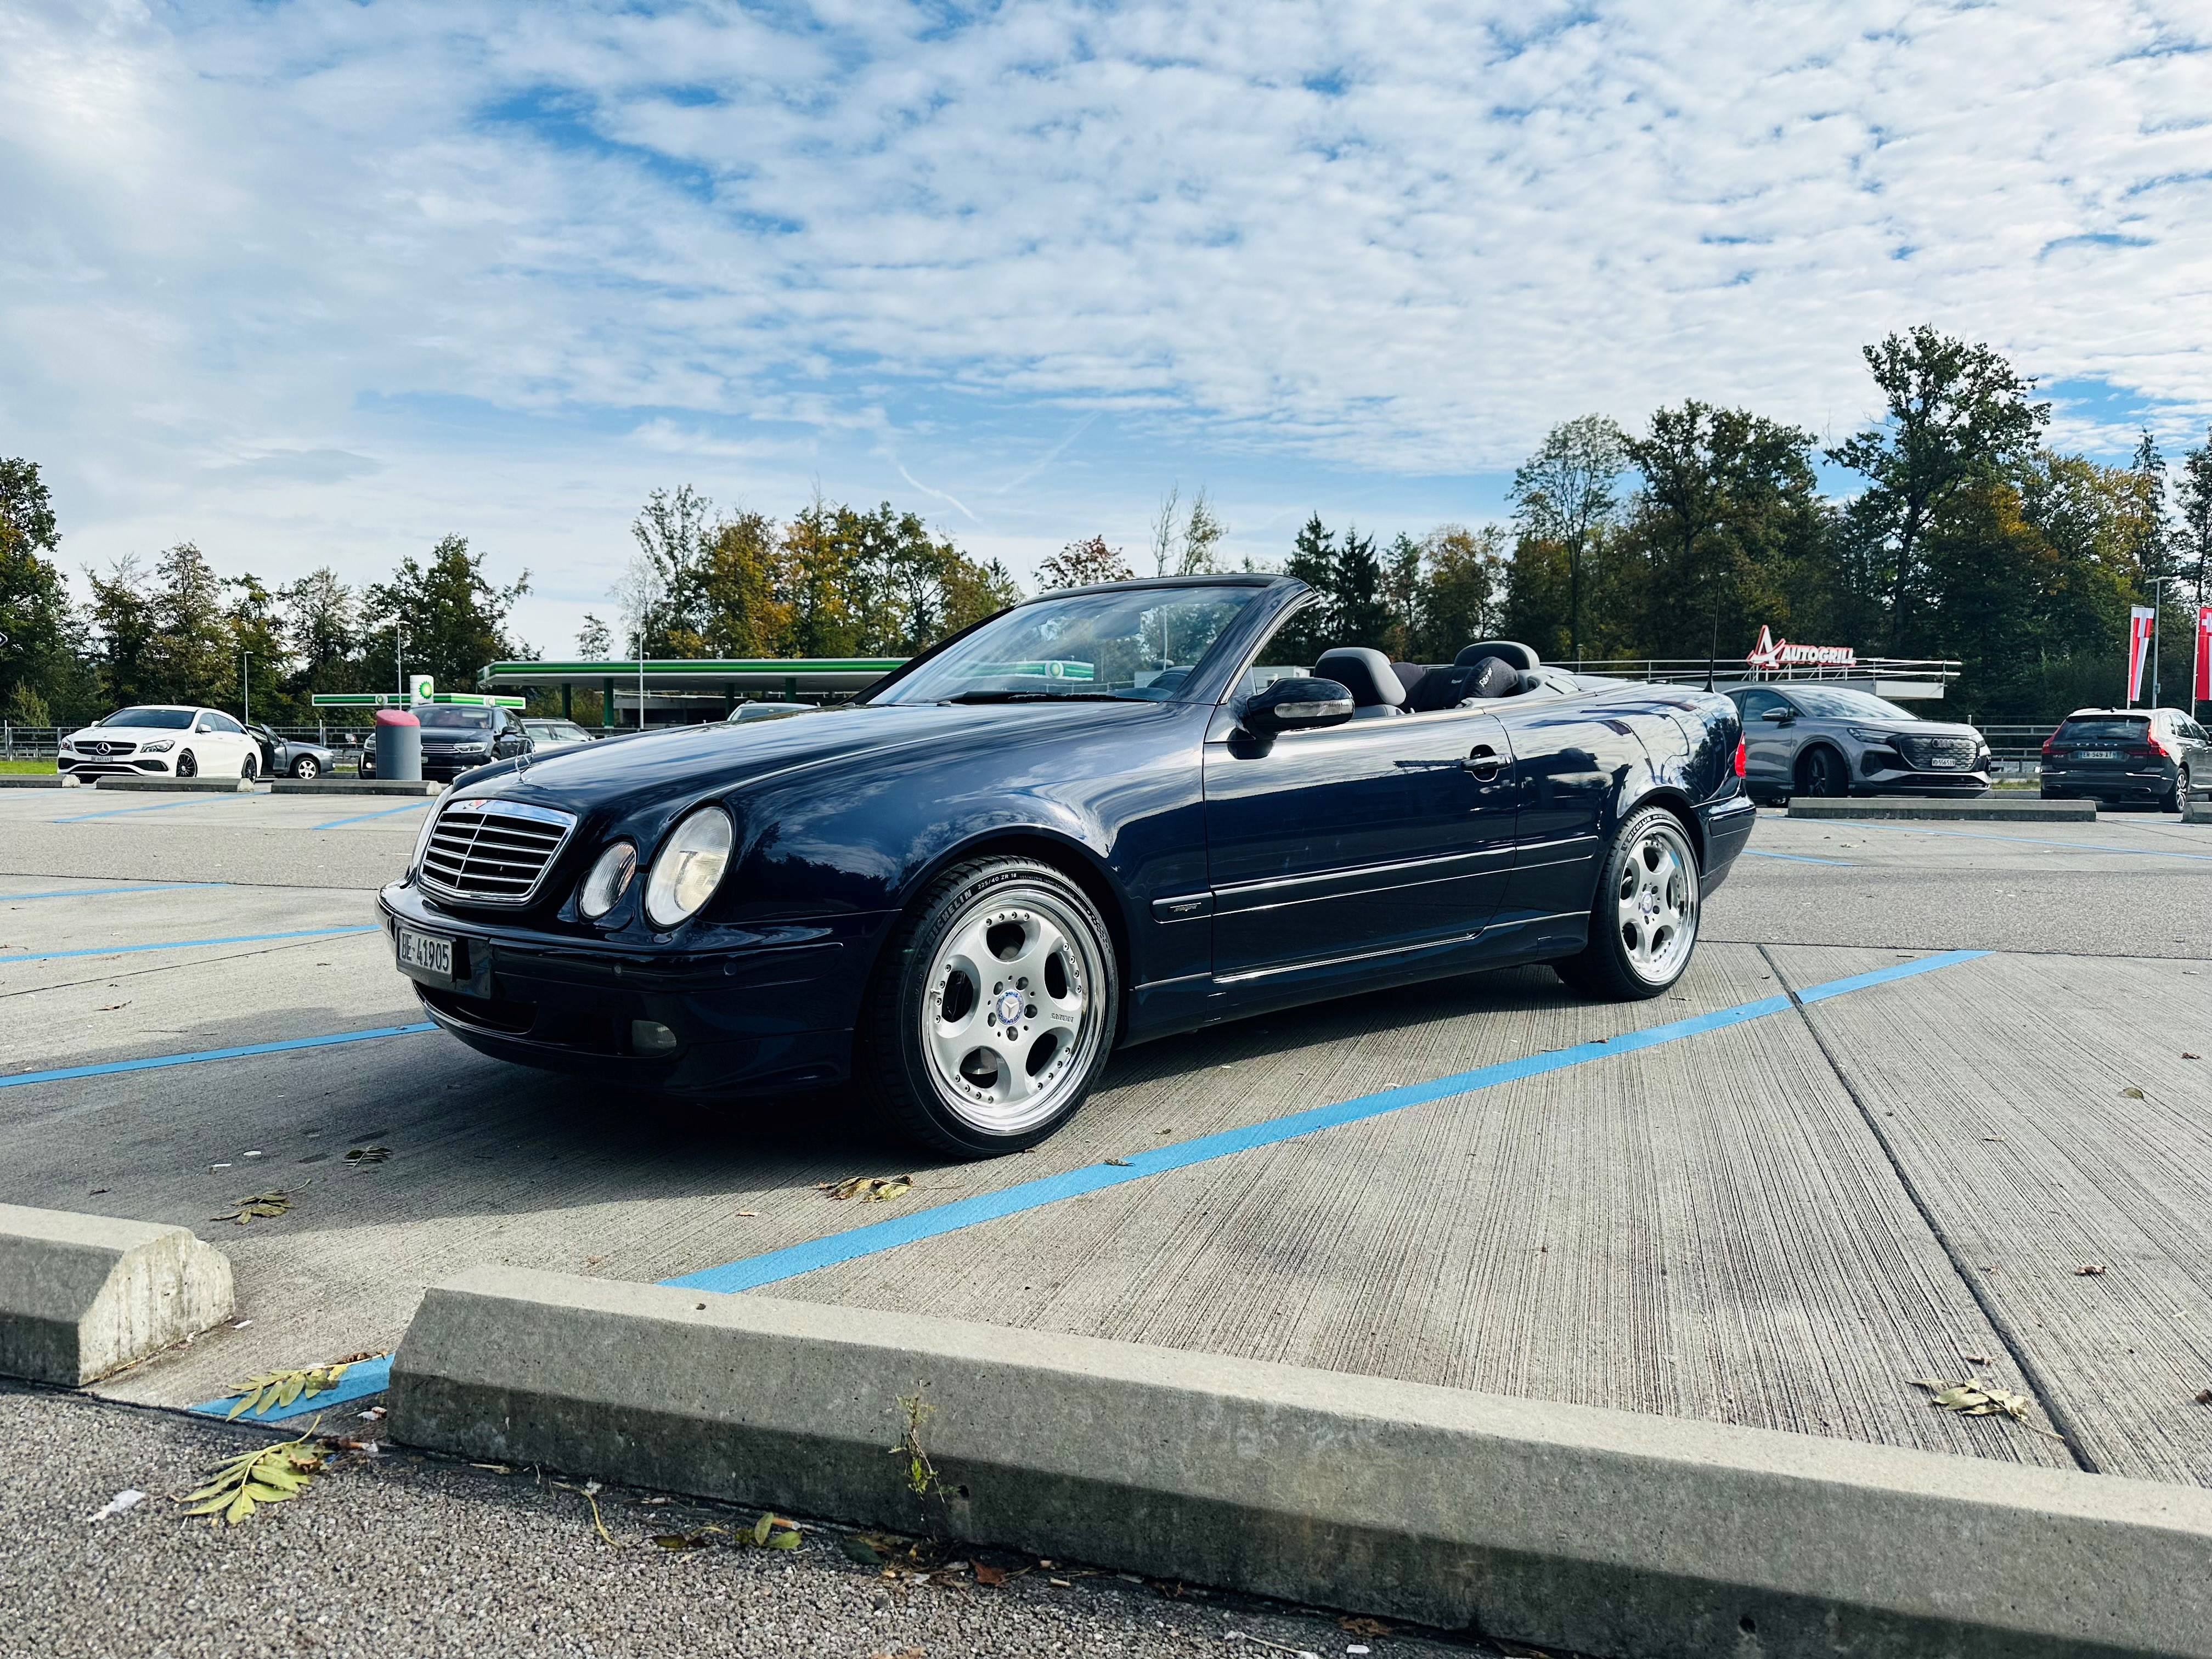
650 1037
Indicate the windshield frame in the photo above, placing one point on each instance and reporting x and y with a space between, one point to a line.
1210 679
176 719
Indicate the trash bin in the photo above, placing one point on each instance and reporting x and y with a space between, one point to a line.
399 745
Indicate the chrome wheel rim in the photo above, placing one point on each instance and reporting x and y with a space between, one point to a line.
1014 1012
1657 895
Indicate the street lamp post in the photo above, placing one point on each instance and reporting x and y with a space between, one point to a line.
2157 609
245 687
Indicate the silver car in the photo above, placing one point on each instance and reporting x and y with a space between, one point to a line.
1806 737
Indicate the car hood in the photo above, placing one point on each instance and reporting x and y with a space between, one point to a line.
670 768
1912 728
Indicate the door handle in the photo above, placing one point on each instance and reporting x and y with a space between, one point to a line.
1483 761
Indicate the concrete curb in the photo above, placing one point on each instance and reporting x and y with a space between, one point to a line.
1564 1526
38 781
176 786
84 1295
1981 809
353 787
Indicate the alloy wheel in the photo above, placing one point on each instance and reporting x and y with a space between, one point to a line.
1656 900
1013 1012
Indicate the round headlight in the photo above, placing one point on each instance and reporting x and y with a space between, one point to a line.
690 866
609 880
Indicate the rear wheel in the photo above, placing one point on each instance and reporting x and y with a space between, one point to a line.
2178 794
1645 924
186 766
1821 773
993 1012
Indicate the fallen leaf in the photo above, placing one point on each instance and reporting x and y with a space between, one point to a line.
1118 1163
281 1388
360 1155
267 1474
687 1540
2091 1271
2205 1397
1977 1358
1971 1398
860 1550
260 1205
2131 1094
122 1503
2185 1054
1364 1626
110 1007
991 1577
869 1189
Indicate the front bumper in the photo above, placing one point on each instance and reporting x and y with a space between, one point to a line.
762 1010
1923 783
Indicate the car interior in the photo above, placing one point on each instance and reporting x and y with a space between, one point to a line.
1382 689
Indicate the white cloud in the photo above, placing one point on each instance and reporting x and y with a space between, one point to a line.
406 267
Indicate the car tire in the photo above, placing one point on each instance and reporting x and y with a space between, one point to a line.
306 767
186 766
1823 774
990 937
1643 924
248 770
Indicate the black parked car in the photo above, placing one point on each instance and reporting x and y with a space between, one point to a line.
458 737
290 757
2116 754
1038 842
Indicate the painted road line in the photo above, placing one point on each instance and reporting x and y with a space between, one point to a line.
101 892
156 1062
163 806
874 1237
1797 857
363 818
185 943
2036 840
362 1378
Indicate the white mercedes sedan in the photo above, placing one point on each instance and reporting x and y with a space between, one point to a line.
162 740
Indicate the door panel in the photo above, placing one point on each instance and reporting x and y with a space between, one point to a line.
1367 837
1769 751
1569 767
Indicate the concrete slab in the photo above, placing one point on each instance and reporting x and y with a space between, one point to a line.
176 786
82 1296
354 787
1601 1531
37 781
1986 808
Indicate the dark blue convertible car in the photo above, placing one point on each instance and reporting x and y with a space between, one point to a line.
1098 818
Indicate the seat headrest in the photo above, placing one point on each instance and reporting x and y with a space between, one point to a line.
1514 654
1365 673
1493 676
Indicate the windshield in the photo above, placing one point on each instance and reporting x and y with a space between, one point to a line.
1140 643
467 719
1834 703
161 719
557 730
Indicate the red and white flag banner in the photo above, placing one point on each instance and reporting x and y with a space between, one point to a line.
2204 685
2139 621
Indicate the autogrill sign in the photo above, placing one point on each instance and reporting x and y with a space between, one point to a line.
1771 653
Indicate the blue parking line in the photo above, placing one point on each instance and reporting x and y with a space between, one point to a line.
98 892
362 1378
183 943
164 806
363 818
752 1272
1796 858
159 1062
2038 841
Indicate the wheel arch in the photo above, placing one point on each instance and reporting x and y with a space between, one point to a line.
1806 752
1675 801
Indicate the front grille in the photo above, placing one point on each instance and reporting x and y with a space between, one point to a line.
1938 754
494 852
104 748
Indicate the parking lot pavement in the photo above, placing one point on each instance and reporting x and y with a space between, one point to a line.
404 1556
1699 1205
257 840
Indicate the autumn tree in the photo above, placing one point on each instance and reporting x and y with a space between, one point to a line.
1080 564
1562 496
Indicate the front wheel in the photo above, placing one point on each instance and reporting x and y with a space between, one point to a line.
1821 775
1645 924
306 767
995 1010
248 768
186 766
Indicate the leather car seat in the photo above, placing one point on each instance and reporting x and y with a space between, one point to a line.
1511 651
1376 692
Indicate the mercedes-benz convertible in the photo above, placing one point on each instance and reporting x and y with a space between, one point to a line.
1099 817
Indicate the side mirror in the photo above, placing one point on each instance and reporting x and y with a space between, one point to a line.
1778 716
1297 705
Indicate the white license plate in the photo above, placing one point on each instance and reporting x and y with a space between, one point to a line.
427 951
2097 754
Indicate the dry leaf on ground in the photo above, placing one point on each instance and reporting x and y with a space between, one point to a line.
869 1189
989 1576
1970 1398
2090 1271
2205 1397
258 1394
2131 1094
1364 1626
360 1155
261 1204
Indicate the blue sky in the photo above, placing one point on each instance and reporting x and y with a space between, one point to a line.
317 282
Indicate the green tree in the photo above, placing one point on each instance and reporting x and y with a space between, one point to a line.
122 619
2193 502
673 532
1956 415
321 619
1360 614
187 656
1563 495
455 620
1463 575
1313 561
1080 564
35 613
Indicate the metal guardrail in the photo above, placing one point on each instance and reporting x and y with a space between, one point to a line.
1735 671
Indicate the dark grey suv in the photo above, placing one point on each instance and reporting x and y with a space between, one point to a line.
2116 754
1807 737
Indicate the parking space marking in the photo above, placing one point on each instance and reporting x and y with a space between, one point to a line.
752 1271
2034 840
165 806
101 892
363 818
1797 857
157 1062
183 943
